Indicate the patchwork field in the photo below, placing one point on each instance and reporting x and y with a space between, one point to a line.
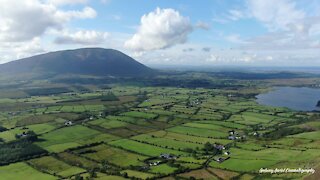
23 171
153 133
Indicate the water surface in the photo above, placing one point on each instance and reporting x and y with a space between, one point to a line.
301 99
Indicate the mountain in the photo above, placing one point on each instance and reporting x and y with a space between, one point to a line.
85 61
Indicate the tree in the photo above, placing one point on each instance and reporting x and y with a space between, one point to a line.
125 175
78 177
208 146
93 173
32 136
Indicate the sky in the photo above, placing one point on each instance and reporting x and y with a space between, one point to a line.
167 32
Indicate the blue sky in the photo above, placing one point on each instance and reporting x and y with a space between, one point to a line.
164 32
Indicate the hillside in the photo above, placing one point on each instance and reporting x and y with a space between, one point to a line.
86 61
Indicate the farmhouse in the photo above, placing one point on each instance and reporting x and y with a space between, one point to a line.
154 163
168 156
219 147
232 132
68 123
220 159
24 134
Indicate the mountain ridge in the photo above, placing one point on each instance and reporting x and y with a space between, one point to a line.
84 61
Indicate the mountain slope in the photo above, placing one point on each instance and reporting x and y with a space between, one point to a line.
86 61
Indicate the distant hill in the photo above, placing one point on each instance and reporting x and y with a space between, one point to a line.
86 61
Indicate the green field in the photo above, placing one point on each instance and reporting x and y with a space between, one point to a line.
54 166
143 148
22 171
114 155
247 165
198 131
162 169
153 133
68 137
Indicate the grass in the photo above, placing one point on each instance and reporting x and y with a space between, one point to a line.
37 128
199 174
162 123
23 171
273 154
223 174
191 159
308 135
251 117
250 146
137 174
142 148
101 176
188 138
137 114
290 141
163 142
114 155
108 124
79 161
162 169
64 138
208 126
225 124
54 166
198 132
35 120
243 165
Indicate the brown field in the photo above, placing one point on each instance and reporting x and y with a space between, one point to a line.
199 174
223 174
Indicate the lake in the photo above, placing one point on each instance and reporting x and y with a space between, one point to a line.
301 99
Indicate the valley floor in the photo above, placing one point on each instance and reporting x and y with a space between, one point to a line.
154 133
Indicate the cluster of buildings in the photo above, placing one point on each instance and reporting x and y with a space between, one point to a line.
233 135
68 123
23 134
167 156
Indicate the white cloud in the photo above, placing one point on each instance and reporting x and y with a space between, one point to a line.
105 1
235 38
236 14
17 50
269 58
30 48
160 29
293 33
84 37
87 12
24 23
219 20
65 2
202 25
22 20
275 14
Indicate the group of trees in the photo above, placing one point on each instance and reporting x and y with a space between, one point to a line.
29 136
109 97
278 133
46 91
19 150
211 149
